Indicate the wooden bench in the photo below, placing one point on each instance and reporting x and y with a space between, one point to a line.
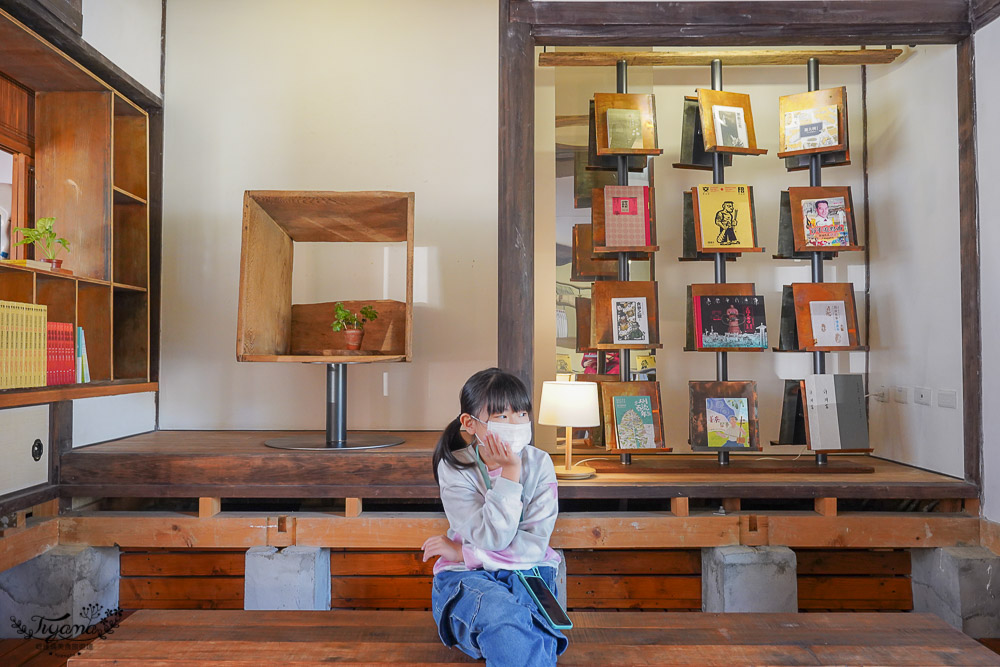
213 637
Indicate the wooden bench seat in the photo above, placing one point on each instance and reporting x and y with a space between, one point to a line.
212 637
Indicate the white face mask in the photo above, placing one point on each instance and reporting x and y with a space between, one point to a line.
517 436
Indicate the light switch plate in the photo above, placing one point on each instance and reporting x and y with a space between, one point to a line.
947 398
922 395
901 394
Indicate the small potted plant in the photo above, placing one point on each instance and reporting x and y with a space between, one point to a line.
352 324
43 235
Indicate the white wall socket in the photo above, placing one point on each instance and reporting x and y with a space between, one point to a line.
947 398
901 394
922 395
882 395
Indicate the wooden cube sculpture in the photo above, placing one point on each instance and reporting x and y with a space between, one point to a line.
270 327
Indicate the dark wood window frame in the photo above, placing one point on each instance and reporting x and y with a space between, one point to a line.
525 24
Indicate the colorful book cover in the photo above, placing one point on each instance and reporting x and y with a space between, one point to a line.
626 216
724 217
634 422
624 128
631 320
829 323
731 322
811 128
825 222
728 423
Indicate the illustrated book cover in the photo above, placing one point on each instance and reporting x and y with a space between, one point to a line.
723 416
631 414
694 294
822 218
631 320
730 322
812 122
826 317
626 216
724 218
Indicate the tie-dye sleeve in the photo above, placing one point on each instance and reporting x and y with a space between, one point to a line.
530 544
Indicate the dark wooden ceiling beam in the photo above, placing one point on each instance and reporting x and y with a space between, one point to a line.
984 12
754 22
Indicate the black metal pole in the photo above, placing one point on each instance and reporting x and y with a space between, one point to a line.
624 358
718 178
336 405
816 180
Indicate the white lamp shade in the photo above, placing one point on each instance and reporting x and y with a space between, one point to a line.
569 404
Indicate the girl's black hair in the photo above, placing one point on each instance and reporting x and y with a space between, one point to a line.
492 389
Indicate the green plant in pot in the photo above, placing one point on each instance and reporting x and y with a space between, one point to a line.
43 235
352 323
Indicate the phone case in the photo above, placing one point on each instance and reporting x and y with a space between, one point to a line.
541 608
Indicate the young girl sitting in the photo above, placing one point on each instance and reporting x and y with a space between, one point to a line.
500 497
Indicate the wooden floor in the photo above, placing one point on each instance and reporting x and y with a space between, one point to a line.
237 464
164 638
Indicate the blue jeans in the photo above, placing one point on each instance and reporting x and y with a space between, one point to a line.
491 615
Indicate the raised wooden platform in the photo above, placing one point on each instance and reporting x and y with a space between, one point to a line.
236 464
153 637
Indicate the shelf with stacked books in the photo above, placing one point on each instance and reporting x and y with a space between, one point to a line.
270 327
91 174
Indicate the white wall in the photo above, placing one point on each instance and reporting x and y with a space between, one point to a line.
988 134
314 95
916 328
19 428
112 417
128 33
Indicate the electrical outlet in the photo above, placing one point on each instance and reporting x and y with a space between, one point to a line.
922 395
901 394
385 383
947 398
882 395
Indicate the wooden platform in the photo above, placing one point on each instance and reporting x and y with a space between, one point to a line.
236 464
152 637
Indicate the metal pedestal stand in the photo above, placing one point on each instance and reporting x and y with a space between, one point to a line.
336 436
718 178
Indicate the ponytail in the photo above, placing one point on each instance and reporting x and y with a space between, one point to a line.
450 441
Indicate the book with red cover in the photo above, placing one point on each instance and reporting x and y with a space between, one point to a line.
626 216
61 358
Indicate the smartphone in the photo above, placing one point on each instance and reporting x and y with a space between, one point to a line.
547 603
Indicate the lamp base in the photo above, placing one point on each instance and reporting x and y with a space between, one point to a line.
574 472
318 442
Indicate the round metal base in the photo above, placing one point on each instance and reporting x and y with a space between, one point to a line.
318 442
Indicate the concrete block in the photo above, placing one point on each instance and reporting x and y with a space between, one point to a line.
66 590
960 585
561 579
748 579
288 578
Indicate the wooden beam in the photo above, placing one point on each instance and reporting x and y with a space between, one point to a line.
516 223
23 545
753 530
746 23
209 507
826 57
731 505
643 530
984 12
679 506
872 531
29 497
22 397
968 235
352 507
989 535
826 506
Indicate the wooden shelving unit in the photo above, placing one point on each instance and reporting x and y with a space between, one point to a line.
90 152
270 327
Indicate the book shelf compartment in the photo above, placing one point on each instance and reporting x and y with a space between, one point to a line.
131 335
270 328
93 305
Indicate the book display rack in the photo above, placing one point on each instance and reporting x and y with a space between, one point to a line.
816 223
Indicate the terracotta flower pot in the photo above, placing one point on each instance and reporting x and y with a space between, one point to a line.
352 337
56 263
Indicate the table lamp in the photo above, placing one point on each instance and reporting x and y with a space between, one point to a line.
570 404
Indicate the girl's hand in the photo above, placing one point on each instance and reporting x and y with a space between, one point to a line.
440 545
496 452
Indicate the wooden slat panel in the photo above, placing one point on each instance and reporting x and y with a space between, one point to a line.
135 591
648 592
633 562
871 531
23 545
187 563
17 117
851 592
402 563
839 562
382 588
